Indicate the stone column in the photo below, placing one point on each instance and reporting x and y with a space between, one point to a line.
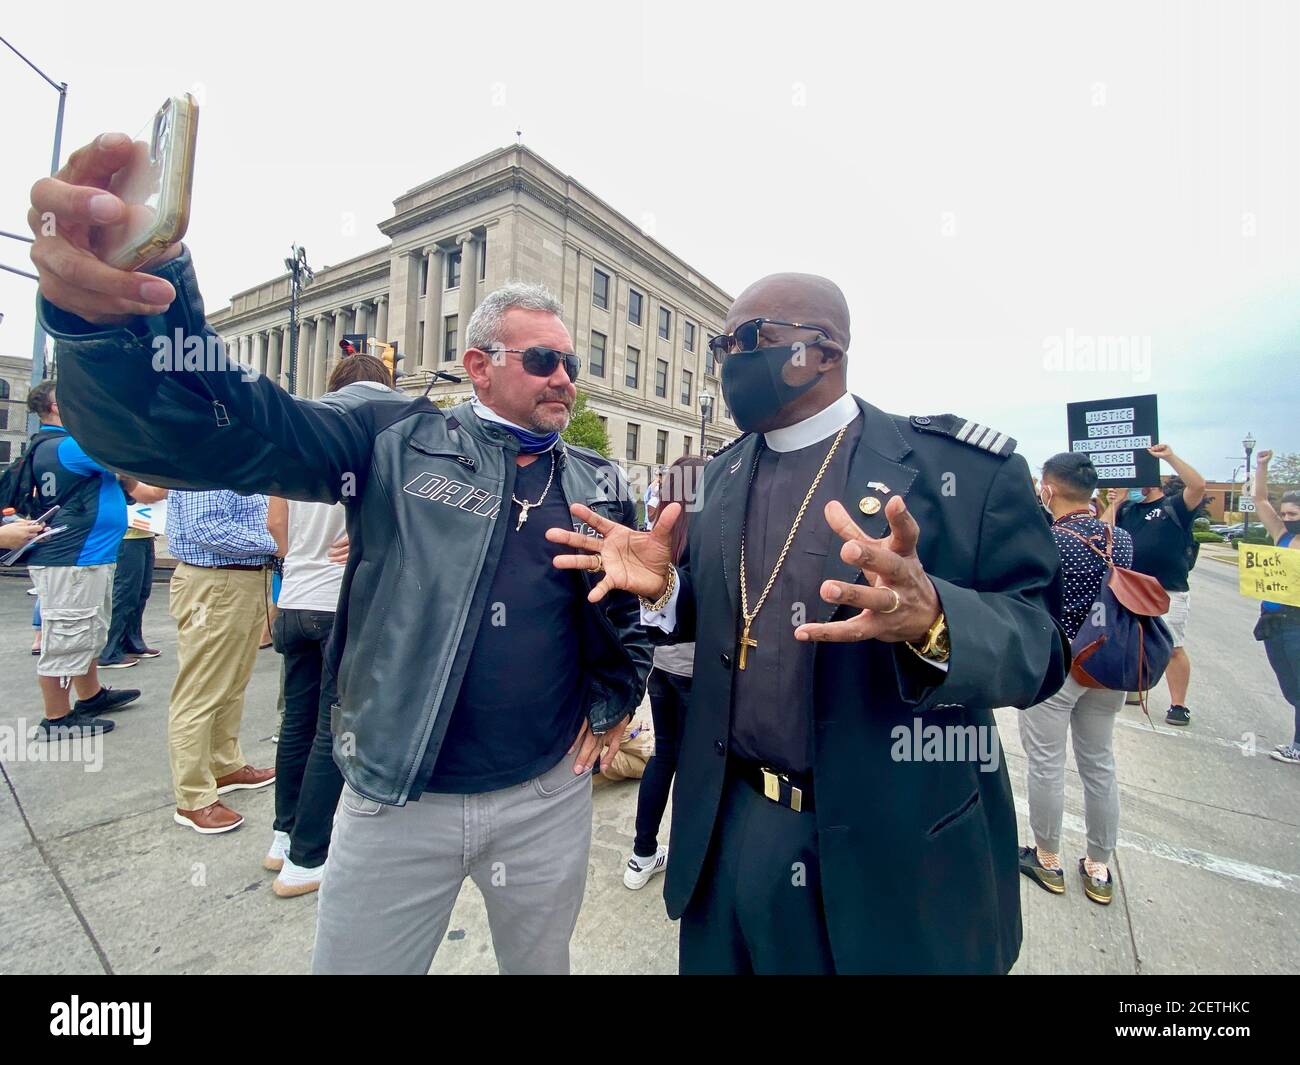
381 319
432 309
319 357
340 327
360 318
273 355
302 374
468 286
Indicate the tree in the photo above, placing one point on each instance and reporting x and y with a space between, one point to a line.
1284 473
586 429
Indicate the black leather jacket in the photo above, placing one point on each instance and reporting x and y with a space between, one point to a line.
423 487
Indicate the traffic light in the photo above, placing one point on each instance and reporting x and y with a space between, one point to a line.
388 354
352 344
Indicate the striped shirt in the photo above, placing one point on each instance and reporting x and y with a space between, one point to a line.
218 528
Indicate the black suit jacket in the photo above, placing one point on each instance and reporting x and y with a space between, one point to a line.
919 870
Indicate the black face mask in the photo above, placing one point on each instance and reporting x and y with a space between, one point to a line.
1293 527
753 387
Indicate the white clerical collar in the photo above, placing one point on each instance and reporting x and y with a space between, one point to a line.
824 423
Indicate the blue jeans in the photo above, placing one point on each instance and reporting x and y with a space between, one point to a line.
1283 650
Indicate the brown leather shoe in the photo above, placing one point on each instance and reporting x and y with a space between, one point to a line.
245 779
211 820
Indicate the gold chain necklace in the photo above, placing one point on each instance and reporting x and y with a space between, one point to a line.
745 642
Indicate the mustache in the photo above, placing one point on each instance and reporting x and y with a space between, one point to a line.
568 403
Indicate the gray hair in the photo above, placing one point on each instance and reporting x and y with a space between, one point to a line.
485 324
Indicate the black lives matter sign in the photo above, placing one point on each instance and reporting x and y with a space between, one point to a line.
1116 433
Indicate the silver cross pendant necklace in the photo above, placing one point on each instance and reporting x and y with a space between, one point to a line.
524 505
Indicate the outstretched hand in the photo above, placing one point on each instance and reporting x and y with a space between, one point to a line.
636 562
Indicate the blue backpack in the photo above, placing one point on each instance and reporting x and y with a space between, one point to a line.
1123 644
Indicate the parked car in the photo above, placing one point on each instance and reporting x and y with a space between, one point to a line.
1235 532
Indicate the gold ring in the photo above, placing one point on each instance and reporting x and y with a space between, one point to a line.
897 599
599 566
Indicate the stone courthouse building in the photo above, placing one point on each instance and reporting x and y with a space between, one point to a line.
640 317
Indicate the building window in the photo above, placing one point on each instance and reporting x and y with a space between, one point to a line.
710 367
665 322
686 388
689 329
482 260
600 288
4 411
424 274
453 270
449 351
419 340
633 440
634 306
687 445
661 447
661 379
596 357
632 375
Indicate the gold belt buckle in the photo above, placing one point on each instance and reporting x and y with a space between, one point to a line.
771 784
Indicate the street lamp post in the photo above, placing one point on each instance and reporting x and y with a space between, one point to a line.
1249 445
300 275
38 337
706 402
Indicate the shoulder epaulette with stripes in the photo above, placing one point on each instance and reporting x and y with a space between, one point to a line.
966 432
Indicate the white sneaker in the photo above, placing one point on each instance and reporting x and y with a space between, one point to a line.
639 870
297 880
1286 752
279 851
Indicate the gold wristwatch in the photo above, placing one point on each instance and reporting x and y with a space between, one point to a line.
935 647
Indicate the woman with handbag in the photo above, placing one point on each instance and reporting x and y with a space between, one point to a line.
1279 624
1088 547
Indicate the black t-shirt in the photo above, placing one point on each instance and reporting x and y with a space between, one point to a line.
1159 544
520 703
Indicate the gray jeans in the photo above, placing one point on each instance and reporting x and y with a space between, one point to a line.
1088 714
394 873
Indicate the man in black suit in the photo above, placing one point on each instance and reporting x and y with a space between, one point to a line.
841 805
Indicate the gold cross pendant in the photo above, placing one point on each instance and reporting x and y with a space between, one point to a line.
745 644
523 515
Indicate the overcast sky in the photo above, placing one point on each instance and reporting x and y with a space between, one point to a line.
997 187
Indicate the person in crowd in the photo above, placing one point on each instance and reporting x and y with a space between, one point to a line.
802 838
1159 519
73 573
218 600
307 782
453 765
1278 627
132 585
670 692
1088 546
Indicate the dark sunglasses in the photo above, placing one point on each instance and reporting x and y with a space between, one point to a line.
746 336
541 362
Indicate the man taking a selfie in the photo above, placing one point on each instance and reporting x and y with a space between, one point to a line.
476 682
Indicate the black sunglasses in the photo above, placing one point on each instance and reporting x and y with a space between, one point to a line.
746 336
541 362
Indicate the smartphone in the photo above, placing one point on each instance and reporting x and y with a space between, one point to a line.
155 186
47 515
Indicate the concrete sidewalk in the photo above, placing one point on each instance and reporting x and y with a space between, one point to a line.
95 877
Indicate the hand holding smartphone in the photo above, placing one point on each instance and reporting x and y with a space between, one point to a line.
119 204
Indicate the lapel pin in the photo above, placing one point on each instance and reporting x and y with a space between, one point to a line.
878 486
869 505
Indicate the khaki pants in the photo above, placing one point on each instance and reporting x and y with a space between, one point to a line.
219 615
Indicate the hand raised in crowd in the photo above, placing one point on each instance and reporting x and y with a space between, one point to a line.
16 533
636 562
1161 451
69 215
898 601
1263 456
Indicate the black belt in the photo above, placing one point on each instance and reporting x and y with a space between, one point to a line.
793 792
232 565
